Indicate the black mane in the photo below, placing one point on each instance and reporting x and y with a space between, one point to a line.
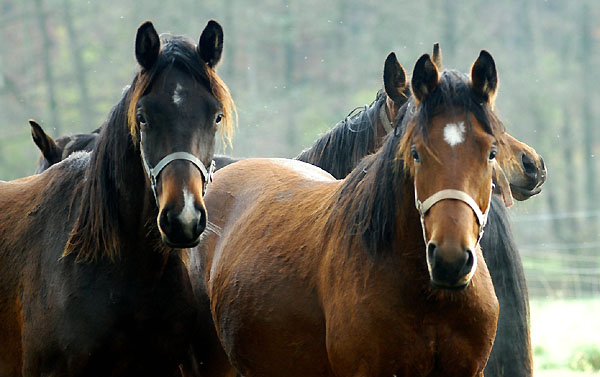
353 138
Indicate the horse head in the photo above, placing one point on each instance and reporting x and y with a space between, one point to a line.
177 106
449 147
522 166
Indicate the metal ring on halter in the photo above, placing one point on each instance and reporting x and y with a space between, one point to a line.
153 173
425 205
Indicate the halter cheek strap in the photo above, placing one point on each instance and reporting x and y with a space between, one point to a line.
424 206
153 173
384 119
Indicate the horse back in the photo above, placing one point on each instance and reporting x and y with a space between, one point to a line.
262 253
33 226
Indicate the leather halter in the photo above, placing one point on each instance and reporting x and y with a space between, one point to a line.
388 125
448 194
153 173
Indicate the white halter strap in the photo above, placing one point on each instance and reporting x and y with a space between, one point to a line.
425 205
153 173
384 119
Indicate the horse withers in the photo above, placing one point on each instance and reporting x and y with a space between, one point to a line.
313 276
92 277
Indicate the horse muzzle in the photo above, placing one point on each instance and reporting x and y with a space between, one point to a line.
182 229
450 267
531 178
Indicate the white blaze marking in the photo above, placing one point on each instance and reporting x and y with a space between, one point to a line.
188 213
454 133
177 99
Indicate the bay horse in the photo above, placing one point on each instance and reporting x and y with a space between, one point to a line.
376 274
92 277
363 132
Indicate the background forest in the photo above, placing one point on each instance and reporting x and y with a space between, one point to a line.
295 68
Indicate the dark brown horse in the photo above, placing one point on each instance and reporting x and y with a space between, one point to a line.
312 276
54 151
92 281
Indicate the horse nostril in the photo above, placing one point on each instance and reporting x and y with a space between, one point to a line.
431 254
166 219
529 166
450 268
201 224
469 261
542 167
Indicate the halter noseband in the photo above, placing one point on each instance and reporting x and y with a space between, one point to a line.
424 206
153 173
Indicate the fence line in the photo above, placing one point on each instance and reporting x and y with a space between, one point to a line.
558 266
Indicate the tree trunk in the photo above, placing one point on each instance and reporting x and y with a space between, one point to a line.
85 108
289 67
229 23
586 108
448 46
48 72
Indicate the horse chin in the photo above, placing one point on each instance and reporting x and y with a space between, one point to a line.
179 244
522 193
459 286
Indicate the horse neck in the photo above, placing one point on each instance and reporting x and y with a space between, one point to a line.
374 215
117 214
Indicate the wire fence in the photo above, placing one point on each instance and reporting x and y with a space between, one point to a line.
560 253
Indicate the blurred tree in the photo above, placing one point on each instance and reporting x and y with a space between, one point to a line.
585 54
80 74
46 61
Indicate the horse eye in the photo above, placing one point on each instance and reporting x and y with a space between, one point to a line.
141 120
492 155
219 118
415 155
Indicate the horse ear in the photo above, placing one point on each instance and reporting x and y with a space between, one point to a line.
425 78
394 79
437 56
51 152
210 46
147 45
484 77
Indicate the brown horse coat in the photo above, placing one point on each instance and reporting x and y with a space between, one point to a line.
293 287
311 276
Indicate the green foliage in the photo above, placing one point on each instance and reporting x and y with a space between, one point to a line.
586 358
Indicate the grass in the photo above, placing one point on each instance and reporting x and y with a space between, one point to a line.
565 336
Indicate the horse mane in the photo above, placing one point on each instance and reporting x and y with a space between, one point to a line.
97 227
369 197
80 142
353 138
506 270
